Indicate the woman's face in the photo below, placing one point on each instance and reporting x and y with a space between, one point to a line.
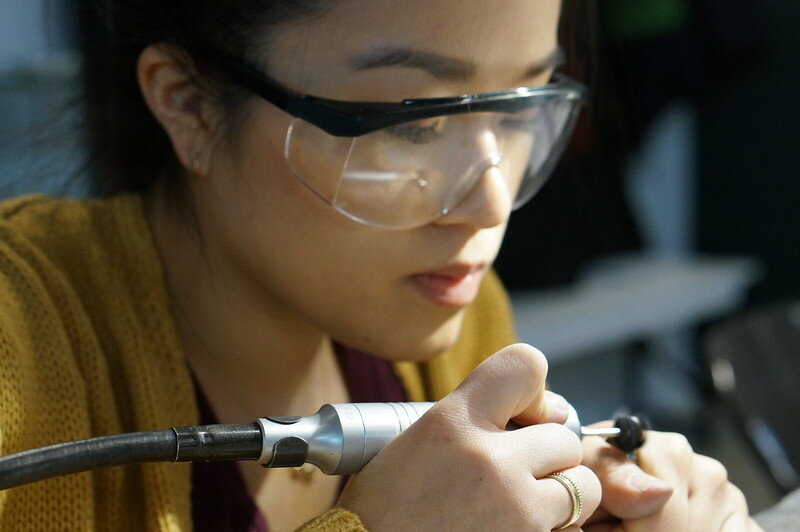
399 294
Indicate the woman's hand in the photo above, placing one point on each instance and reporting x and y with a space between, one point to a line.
457 468
671 489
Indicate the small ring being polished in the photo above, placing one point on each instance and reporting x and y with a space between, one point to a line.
575 495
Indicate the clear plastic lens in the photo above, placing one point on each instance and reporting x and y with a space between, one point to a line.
551 130
410 174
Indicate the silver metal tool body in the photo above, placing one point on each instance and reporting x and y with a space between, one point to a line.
340 439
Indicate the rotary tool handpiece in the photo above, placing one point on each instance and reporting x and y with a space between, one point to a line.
340 439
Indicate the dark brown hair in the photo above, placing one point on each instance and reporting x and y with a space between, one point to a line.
128 149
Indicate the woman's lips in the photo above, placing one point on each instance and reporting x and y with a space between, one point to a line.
450 289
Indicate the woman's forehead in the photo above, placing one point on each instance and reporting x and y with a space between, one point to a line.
453 39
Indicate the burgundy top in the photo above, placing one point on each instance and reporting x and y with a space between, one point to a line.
220 501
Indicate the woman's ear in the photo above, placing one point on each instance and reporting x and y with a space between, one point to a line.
180 106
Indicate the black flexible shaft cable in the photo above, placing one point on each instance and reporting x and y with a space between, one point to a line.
84 455
181 444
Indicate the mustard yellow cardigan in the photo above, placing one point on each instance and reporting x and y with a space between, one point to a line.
88 347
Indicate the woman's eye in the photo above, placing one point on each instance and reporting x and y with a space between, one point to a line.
421 132
515 123
520 121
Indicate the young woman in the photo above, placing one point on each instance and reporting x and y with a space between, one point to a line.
303 210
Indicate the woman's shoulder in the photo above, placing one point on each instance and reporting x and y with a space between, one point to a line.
33 229
87 347
52 223
83 291
32 219
92 245
45 337
31 209
56 275
81 283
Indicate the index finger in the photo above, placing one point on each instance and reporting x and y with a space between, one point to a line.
628 492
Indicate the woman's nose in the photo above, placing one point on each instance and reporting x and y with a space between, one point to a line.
487 204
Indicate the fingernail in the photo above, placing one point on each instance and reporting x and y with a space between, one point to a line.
557 406
642 483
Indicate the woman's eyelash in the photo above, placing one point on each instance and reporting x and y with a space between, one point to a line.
414 134
513 123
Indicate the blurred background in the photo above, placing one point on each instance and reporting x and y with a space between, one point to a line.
658 270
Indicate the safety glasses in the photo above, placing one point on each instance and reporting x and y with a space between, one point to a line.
404 164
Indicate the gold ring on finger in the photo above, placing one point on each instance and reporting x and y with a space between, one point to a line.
575 495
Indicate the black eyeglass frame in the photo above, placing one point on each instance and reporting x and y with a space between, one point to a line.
354 119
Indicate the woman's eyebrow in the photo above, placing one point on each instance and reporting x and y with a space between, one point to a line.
440 66
554 59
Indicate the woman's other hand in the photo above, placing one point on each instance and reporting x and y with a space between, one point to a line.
457 468
672 488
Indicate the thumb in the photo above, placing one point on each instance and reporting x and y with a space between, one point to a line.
508 384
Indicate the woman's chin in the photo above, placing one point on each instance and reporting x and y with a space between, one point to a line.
419 346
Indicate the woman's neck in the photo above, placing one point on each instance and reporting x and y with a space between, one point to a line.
251 356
